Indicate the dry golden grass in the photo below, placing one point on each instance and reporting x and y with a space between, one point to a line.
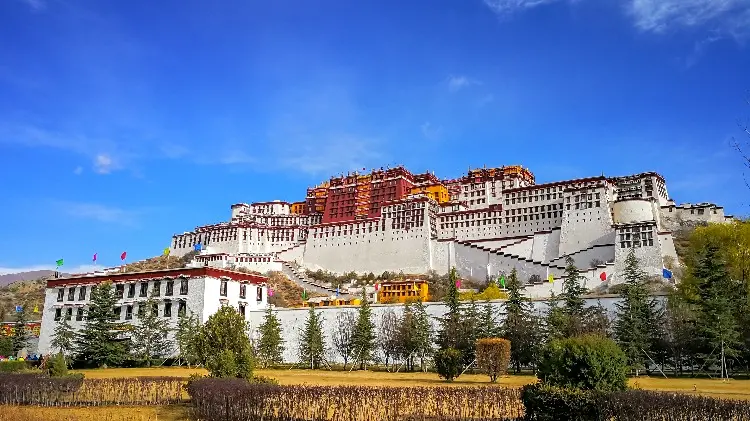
734 389
105 413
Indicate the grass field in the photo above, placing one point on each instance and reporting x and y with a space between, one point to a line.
106 413
735 389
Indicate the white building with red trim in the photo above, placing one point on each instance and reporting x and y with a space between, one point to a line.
197 290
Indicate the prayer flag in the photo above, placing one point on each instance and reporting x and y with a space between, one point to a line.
502 281
377 287
94 259
458 283
270 292
666 273
551 278
337 291
603 276
59 262
304 294
19 309
197 247
36 309
166 251
123 255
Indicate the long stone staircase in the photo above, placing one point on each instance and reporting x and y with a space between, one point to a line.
298 277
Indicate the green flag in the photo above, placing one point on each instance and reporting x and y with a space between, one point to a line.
502 281
59 262
304 294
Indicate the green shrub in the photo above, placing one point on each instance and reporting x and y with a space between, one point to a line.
549 403
58 367
585 362
448 363
222 365
13 366
493 356
264 380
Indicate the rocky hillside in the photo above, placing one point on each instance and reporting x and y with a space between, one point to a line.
28 293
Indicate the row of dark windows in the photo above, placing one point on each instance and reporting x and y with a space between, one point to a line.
80 314
120 290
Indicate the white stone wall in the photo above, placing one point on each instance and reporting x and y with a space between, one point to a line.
635 210
293 320
586 226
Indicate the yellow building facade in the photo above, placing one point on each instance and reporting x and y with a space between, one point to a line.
437 192
403 291
333 302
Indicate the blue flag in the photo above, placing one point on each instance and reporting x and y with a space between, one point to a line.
19 309
666 273
197 247
337 291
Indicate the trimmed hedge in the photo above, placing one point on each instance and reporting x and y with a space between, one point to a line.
15 366
493 356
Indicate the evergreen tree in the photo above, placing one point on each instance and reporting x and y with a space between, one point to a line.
555 320
150 335
636 322
718 324
20 333
405 337
363 340
344 331
223 346
452 330
422 337
572 290
389 336
312 343
270 349
100 342
488 326
63 337
520 326
471 318
188 327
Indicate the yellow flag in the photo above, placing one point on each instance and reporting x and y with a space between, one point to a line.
36 309
166 251
414 286
551 278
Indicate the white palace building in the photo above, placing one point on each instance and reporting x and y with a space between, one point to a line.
484 224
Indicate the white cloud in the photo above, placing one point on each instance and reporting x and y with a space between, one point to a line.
662 15
99 212
507 7
78 170
344 152
103 164
431 132
456 83
36 5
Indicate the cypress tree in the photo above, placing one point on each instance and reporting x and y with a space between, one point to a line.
100 342
312 342
363 341
422 336
63 336
20 334
270 347
487 324
520 326
452 332
150 335
188 328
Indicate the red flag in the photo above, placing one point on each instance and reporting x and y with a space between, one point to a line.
123 255
376 287
603 276
458 283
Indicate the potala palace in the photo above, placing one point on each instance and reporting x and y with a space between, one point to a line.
485 223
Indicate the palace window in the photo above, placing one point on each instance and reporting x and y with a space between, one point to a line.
144 289
223 289
60 295
170 288
243 290
141 310
131 290
155 309
120 290
69 313
242 310
183 287
181 309
259 294
71 294
82 293
128 312
58 313
117 312
79 314
168 309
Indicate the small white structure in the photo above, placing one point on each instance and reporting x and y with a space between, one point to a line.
197 290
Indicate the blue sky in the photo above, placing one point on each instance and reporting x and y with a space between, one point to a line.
124 122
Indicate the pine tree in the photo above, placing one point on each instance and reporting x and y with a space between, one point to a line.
150 335
100 342
572 290
471 318
422 337
223 346
520 326
488 326
63 337
312 343
20 334
452 332
270 349
405 334
717 324
363 340
188 327
635 325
